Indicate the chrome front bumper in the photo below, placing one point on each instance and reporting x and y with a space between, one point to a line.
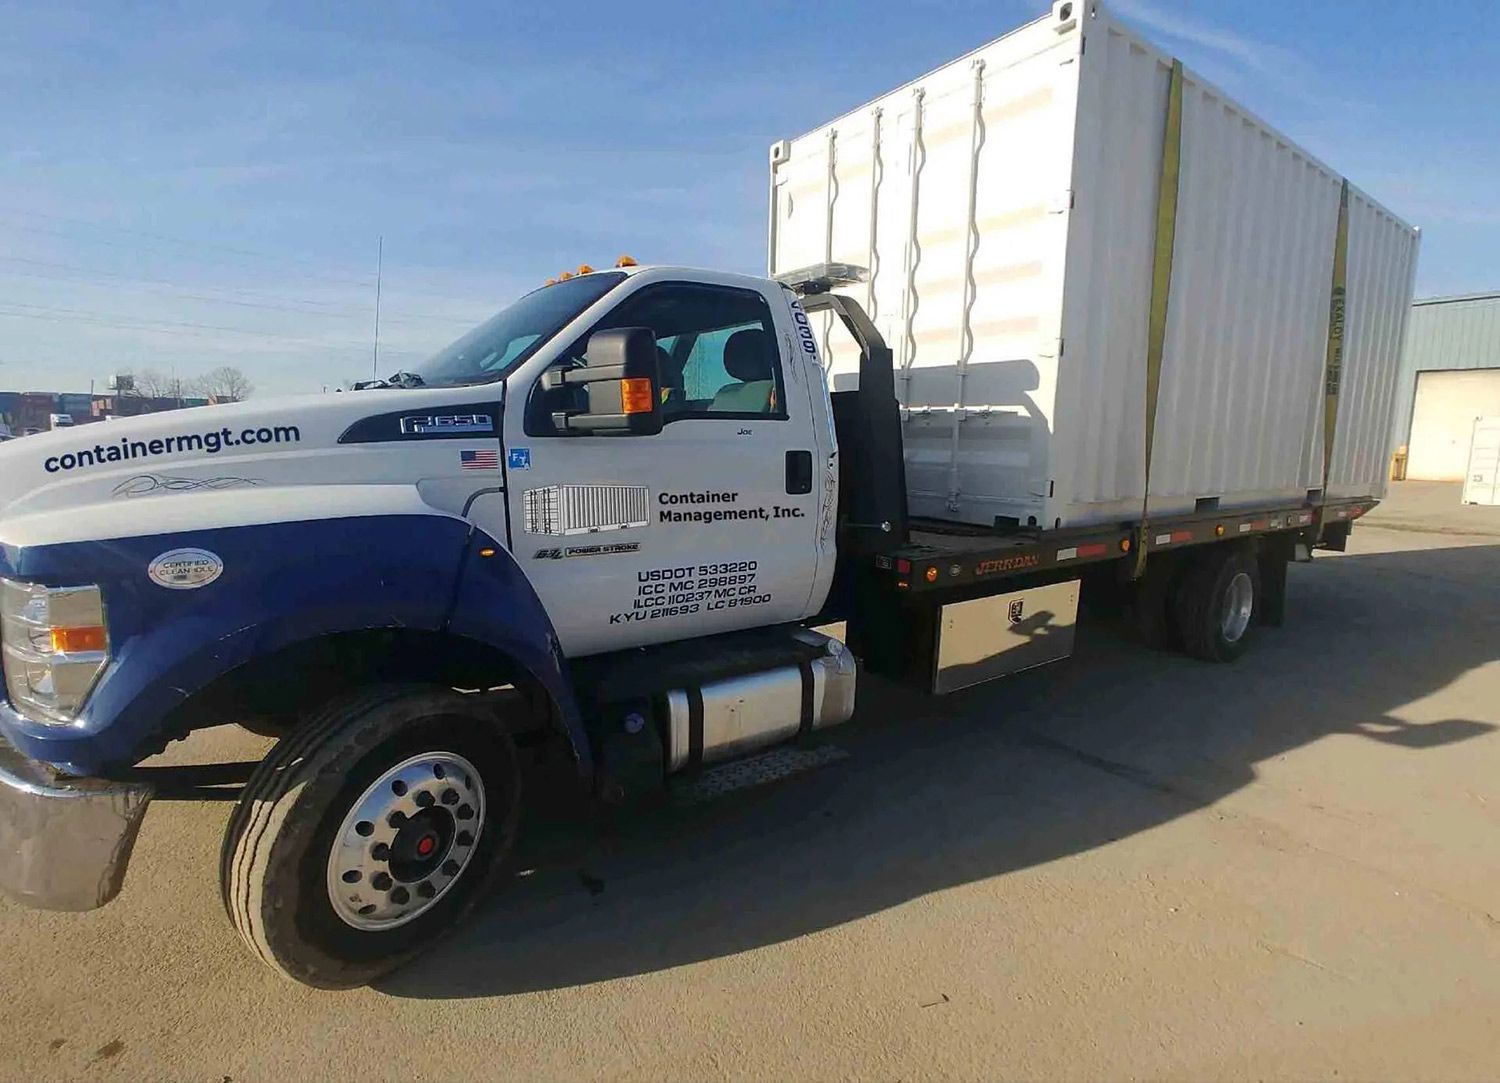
64 842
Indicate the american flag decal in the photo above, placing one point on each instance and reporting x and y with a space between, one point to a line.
488 459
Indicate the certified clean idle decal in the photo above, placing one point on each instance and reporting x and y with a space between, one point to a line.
185 569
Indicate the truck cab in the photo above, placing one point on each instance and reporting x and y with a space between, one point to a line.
720 514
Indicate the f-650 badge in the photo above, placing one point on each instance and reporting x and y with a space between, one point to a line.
446 424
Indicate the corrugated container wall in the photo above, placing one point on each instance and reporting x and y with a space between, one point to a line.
1445 333
1009 207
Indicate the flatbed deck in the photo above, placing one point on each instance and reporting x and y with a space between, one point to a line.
940 556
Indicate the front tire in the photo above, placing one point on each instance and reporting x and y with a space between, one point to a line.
369 832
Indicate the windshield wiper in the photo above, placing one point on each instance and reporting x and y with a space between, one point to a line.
396 379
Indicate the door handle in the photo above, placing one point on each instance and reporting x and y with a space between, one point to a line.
799 472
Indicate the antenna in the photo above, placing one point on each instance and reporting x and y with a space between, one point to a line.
379 269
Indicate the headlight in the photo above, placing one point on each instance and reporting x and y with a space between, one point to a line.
54 646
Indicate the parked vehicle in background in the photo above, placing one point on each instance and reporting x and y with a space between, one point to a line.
612 518
59 421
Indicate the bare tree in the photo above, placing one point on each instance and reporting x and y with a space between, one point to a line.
225 384
151 384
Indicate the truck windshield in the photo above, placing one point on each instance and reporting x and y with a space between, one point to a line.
497 346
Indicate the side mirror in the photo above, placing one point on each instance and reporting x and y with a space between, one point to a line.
624 378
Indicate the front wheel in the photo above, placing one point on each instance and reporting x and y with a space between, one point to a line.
369 832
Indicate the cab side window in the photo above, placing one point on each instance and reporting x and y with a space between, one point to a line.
718 352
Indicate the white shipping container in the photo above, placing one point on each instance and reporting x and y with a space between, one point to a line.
1482 480
1010 207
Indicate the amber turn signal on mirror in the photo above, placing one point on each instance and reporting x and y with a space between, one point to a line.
636 395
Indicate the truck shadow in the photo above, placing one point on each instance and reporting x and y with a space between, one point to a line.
940 793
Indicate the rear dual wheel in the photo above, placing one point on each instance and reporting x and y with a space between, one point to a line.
368 832
1215 603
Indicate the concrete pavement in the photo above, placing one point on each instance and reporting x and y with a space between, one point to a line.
1129 865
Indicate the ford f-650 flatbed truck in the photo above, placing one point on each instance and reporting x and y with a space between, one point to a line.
1144 345
630 496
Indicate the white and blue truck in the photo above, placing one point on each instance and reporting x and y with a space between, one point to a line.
1067 349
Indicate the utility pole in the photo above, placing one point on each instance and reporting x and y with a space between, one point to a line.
379 269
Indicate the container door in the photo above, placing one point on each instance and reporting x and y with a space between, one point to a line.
1482 485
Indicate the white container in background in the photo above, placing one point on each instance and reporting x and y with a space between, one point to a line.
1482 481
1007 205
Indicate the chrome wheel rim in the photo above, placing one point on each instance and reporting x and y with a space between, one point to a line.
406 841
1239 601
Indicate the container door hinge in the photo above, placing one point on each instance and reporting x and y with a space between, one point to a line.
1062 202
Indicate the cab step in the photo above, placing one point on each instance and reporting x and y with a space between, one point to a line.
760 770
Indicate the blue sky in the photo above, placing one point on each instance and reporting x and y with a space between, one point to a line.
185 186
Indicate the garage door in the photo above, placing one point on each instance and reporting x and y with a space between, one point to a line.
1442 421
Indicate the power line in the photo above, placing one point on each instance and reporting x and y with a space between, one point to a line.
167 288
365 281
13 212
109 319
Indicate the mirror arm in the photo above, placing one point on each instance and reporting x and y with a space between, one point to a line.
592 424
557 378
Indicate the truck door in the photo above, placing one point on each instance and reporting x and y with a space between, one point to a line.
710 525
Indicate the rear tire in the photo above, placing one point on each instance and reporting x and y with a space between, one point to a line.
429 781
1215 604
